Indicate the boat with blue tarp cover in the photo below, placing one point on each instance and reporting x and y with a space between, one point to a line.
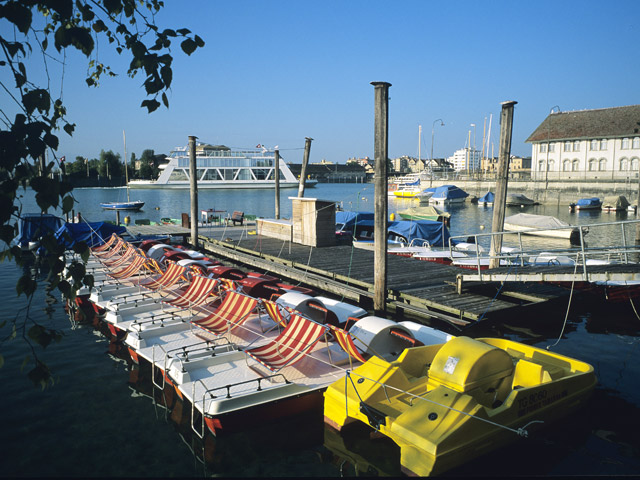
593 203
359 226
486 200
33 226
447 194
93 234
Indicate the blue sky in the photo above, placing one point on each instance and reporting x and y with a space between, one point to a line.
274 72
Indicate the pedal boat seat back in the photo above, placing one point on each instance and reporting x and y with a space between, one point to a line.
472 367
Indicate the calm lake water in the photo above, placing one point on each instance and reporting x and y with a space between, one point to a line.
100 420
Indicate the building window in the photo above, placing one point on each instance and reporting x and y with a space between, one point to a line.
603 144
567 146
602 165
543 148
623 164
541 165
636 142
625 143
634 164
552 147
576 146
593 145
576 165
566 166
593 163
550 165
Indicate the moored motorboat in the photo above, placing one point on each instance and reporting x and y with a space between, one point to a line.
541 226
519 200
486 200
429 212
593 203
444 405
448 194
615 203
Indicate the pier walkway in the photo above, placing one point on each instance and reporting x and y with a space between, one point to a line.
416 288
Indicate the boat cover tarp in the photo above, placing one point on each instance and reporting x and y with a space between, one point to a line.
34 225
535 221
588 202
449 192
93 233
519 198
488 197
347 220
436 233
616 201
428 213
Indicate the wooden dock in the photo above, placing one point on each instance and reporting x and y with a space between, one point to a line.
414 288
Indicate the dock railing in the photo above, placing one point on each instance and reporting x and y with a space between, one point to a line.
527 254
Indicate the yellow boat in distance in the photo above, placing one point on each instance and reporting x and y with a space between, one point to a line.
446 404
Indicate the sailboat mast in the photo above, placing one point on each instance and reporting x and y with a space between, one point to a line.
126 164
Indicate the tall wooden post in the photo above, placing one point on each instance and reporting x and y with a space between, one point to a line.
305 161
500 203
381 140
637 208
193 174
276 174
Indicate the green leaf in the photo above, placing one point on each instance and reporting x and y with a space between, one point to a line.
26 285
165 100
199 41
37 98
67 204
188 46
27 359
151 105
69 128
17 14
51 140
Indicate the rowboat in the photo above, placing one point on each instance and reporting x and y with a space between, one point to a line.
446 404
132 206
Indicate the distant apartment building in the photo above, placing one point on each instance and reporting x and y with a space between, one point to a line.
466 160
587 144
518 166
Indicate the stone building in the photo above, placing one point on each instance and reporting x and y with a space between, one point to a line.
587 145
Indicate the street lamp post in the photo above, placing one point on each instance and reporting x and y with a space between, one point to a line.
431 158
474 148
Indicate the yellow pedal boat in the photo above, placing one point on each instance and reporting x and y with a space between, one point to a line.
446 404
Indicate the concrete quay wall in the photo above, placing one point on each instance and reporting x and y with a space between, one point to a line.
552 192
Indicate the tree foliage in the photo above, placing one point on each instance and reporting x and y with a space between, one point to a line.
32 116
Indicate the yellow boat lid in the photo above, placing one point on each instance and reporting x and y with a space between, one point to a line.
463 364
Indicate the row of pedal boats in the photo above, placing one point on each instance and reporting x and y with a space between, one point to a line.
241 354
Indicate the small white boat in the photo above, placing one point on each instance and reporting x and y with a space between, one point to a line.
542 226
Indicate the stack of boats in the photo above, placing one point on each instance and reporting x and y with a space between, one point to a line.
243 348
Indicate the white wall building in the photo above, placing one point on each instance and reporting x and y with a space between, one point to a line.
465 159
587 144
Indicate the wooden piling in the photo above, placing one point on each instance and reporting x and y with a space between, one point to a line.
500 202
277 180
305 161
381 140
193 189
